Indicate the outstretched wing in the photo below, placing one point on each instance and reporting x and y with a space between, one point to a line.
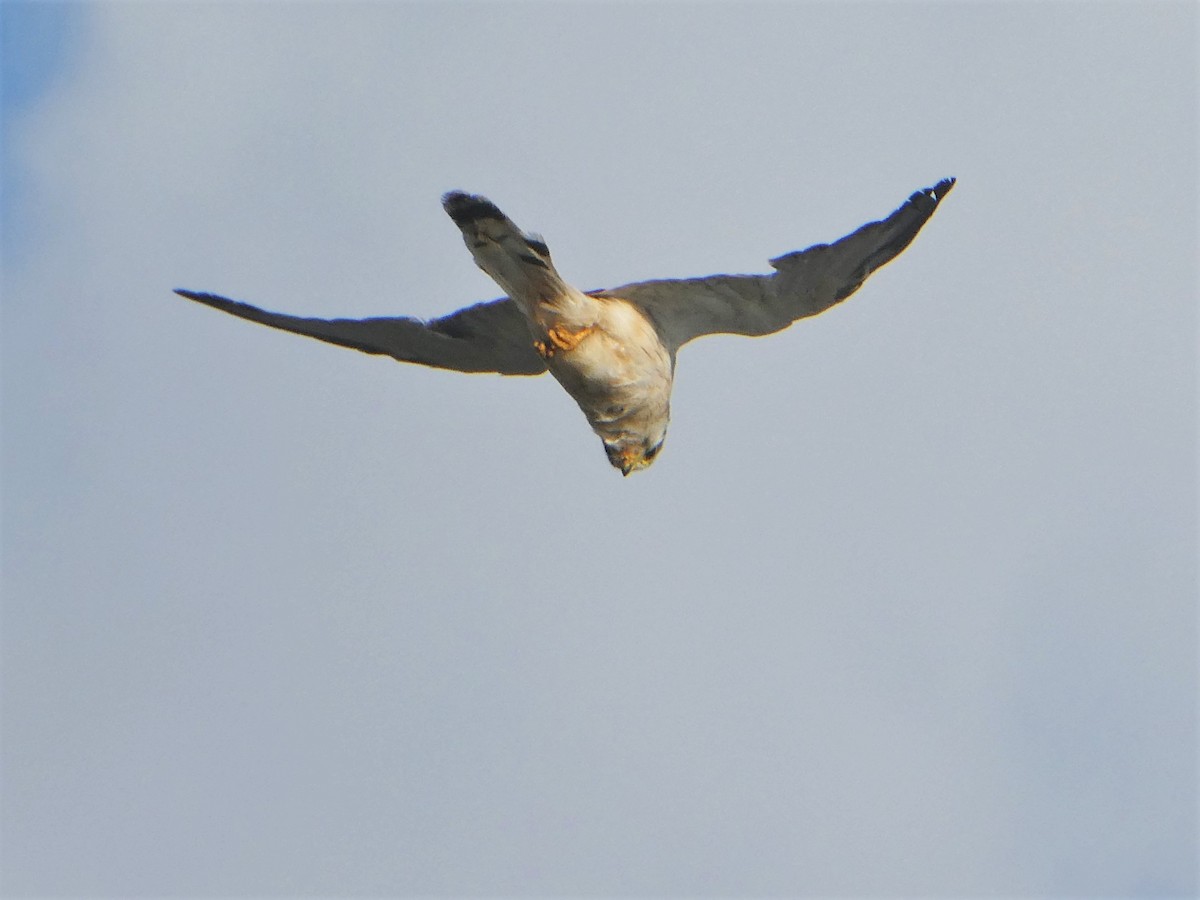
488 337
805 283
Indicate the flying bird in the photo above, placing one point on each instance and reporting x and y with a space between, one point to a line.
612 350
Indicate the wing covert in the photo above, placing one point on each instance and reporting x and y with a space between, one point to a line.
487 337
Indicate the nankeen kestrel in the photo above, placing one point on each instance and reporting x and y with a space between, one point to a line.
612 350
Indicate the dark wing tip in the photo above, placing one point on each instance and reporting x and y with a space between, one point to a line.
467 208
199 296
938 191
927 200
216 301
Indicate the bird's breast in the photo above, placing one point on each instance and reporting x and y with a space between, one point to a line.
620 373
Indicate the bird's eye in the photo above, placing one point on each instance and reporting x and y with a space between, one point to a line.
653 452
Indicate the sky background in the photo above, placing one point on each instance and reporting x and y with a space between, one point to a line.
906 606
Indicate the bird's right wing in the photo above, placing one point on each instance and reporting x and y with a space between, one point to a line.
805 283
487 337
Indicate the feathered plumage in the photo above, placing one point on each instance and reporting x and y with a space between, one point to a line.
612 350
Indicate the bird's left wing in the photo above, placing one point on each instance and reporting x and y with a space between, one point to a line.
805 283
487 337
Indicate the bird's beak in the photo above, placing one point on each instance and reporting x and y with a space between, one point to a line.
626 468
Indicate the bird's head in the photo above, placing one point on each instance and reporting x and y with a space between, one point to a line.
630 454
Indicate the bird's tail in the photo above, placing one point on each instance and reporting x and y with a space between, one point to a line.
520 263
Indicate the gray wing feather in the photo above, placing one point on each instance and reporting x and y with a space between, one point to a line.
488 337
805 283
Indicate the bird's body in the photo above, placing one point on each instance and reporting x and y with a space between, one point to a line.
620 373
613 351
603 350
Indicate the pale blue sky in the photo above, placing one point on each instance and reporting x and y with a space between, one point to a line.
36 40
906 607
36 48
